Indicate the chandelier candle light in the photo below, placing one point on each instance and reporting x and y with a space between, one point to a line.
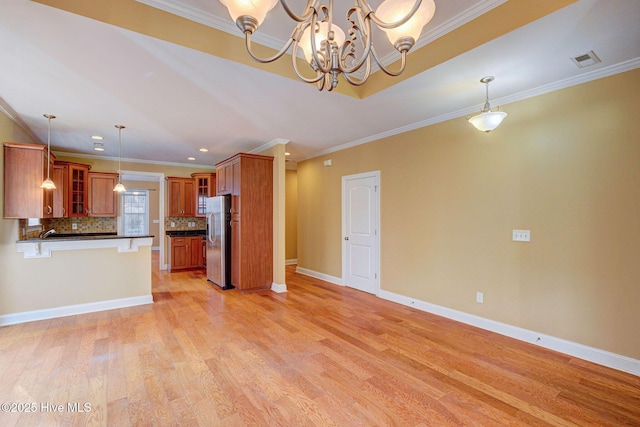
119 186
487 120
48 184
327 49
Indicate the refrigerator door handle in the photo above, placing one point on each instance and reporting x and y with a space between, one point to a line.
212 226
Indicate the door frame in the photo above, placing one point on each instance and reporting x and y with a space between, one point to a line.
376 175
154 177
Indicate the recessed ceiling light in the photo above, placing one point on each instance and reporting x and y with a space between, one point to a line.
191 158
97 146
287 154
204 150
97 137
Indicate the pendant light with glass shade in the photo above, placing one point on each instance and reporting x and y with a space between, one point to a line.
48 184
487 120
119 186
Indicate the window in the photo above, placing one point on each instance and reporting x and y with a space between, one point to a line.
135 212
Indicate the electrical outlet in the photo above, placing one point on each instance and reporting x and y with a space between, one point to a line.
521 236
74 226
479 297
173 224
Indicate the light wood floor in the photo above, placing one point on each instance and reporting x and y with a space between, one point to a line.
318 355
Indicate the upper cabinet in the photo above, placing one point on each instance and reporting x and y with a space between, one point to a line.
182 200
224 178
74 188
25 167
205 186
60 178
102 200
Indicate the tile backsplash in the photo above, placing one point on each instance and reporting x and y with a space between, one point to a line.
65 225
84 225
182 223
100 225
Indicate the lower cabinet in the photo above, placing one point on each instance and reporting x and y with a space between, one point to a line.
185 253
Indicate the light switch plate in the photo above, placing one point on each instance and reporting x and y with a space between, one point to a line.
521 235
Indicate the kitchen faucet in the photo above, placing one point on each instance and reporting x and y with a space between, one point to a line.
46 234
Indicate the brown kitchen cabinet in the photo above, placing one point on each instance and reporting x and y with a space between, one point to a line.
205 186
77 188
249 180
224 177
60 178
182 199
102 200
185 253
25 167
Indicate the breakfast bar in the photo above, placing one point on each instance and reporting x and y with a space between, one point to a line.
67 275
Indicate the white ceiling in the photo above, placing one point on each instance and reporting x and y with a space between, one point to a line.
174 100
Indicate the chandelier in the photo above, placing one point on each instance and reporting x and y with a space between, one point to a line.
327 50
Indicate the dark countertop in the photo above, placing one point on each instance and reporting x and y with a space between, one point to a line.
186 233
81 236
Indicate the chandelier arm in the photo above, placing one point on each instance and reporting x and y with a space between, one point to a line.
364 79
295 67
366 41
321 65
388 25
309 10
282 51
387 71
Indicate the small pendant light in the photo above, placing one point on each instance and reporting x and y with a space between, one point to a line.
487 120
48 184
119 186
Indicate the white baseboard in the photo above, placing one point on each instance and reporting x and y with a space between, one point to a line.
321 276
278 287
70 310
290 261
595 355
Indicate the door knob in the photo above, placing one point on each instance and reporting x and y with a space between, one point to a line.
346 238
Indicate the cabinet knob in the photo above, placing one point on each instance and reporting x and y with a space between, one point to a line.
346 238
49 210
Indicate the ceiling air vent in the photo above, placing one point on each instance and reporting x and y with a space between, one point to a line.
586 60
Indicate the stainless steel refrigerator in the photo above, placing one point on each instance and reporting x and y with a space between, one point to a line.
219 241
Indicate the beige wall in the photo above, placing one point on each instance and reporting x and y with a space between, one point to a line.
291 215
565 165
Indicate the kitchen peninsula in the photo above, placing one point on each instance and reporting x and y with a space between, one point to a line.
62 275
79 274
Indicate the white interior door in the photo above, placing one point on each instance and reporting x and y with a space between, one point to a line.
360 231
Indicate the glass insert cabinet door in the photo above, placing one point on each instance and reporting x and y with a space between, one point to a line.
202 188
79 194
